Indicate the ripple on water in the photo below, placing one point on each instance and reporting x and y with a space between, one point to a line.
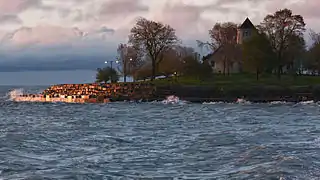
151 140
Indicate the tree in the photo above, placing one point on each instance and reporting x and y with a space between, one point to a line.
313 54
257 53
129 60
107 74
173 60
223 38
315 37
192 67
279 27
153 38
294 54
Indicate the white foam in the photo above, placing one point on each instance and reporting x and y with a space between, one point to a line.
307 102
173 100
278 102
242 101
212 103
13 94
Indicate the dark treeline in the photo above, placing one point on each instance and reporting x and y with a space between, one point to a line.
276 46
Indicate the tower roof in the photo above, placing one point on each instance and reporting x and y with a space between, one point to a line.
247 24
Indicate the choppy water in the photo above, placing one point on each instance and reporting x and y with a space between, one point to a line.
154 140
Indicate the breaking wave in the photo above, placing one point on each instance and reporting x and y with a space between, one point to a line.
11 95
173 100
245 102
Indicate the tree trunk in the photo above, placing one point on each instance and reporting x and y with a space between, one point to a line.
279 71
125 70
228 67
125 78
153 75
224 66
257 74
279 62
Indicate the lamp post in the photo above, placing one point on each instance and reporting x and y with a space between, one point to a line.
129 67
126 65
111 63
107 62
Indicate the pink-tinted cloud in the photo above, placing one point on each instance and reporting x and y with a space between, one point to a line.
16 6
122 7
9 19
191 19
309 9
42 34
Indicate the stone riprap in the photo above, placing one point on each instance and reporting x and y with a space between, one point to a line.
92 93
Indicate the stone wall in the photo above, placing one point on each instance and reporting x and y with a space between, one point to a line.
83 93
115 90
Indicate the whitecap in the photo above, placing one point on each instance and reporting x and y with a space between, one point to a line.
173 100
242 101
13 94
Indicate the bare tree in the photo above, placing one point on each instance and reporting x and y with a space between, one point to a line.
130 60
223 37
220 34
153 38
279 28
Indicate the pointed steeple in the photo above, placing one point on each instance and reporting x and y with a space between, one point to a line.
247 24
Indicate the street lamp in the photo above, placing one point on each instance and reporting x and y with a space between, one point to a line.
130 61
107 62
111 62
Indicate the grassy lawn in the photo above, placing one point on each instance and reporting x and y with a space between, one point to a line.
243 80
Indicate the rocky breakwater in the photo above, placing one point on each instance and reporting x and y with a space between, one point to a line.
92 93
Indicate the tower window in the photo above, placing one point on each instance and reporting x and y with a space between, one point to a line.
246 34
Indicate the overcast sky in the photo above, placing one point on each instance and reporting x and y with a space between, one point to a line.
52 30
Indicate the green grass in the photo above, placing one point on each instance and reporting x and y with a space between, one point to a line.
243 80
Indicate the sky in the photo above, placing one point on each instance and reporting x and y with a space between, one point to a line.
82 34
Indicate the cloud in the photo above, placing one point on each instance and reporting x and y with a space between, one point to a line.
122 8
309 9
74 26
42 34
16 6
105 30
10 19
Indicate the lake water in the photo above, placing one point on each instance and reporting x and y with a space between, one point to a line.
154 140
48 77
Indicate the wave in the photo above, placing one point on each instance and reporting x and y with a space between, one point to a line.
245 102
15 93
12 94
173 100
307 102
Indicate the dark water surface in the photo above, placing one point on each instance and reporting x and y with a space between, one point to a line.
153 140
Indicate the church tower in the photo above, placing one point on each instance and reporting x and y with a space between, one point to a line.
245 31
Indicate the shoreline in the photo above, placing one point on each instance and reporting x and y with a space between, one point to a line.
148 92
39 98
